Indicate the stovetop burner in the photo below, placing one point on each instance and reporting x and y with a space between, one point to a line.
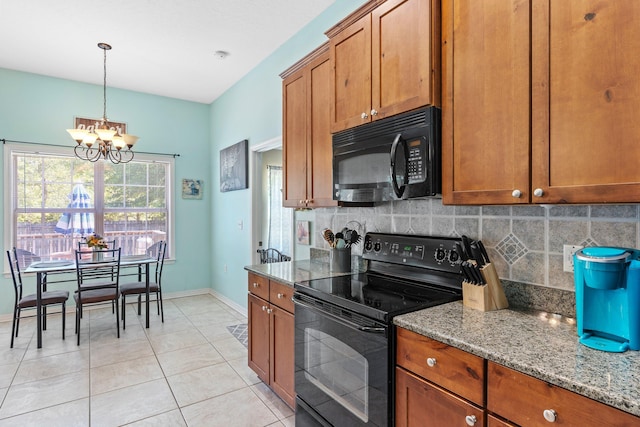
406 273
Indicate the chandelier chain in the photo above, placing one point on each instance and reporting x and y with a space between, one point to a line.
104 86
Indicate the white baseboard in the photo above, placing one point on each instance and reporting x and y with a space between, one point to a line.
165 296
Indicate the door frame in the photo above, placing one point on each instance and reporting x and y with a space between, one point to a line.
255 178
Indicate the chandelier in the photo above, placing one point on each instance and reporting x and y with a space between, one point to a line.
103 141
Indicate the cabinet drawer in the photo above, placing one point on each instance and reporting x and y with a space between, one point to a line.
422 404
523 399
259 286
280 295
453 369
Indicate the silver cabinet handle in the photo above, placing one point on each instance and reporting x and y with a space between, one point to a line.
269 311
364 116
516 193
470 420
550 415
280 296
255 285
374 112
431 361
538 192
264 308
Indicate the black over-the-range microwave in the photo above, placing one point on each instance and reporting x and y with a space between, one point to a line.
390 159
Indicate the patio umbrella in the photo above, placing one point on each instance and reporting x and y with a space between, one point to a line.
77 223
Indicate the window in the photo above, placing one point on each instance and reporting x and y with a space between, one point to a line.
53 199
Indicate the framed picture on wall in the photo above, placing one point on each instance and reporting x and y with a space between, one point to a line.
233 167
192 189
302 232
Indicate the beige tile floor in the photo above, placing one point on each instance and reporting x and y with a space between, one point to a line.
187 371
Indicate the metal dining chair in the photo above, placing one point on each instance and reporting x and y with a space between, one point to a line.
270 255
23 302
157 250
98 282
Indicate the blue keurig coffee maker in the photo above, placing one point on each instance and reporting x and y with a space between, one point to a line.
607 283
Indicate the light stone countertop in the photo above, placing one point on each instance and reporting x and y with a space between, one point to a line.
542 345
293 271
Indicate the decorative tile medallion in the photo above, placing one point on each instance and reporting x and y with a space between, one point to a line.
511 249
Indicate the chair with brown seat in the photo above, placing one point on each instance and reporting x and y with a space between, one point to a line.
98 282
158 251
29 301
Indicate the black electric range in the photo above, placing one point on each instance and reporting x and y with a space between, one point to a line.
344 339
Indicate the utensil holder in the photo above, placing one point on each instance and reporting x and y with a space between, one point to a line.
486 297
340 260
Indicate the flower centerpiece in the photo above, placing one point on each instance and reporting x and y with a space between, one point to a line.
96 243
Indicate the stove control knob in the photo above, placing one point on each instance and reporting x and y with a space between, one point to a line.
368 245
431 361
453 257
440 254
377 246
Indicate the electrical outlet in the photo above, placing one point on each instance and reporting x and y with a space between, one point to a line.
225 268
568 251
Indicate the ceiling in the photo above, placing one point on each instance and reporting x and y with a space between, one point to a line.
161 47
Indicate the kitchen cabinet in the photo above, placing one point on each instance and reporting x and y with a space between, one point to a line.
538 102
436 384
497 422
385 60
307 149
271 335
528 401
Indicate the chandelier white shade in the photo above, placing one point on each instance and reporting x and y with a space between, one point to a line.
102 141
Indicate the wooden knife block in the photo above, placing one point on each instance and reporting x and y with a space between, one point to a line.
487 297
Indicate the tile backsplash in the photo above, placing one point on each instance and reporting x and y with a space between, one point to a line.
524 242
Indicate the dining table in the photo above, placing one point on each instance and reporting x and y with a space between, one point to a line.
44 269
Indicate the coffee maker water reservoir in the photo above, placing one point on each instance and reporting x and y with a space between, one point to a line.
607 281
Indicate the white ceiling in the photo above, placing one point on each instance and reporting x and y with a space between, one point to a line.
162 47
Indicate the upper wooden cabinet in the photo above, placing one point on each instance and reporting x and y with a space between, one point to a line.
307 150
385 61
539 101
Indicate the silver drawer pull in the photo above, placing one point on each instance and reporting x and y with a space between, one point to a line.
470 420
255 285
431 361
281 296
550 415
264 308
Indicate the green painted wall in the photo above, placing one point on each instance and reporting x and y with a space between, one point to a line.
39 109
252 109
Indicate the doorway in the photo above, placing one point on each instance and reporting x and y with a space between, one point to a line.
271 224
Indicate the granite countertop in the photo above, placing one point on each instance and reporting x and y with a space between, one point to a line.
542 345
293 271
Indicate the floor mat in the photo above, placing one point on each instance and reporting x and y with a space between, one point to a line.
240 333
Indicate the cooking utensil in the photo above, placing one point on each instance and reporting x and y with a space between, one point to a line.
329 237
352 237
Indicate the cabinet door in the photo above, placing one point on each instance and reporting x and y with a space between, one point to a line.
258 321
294 154
320 149
282 353
586 98
486 102
497 422
351 76
420 404
405 56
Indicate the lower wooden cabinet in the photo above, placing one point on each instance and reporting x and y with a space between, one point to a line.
528 401
422 404
271 336
497 422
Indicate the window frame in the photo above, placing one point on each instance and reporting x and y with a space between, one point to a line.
9 200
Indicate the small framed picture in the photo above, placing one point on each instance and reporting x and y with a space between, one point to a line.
192 189
302 232
234 167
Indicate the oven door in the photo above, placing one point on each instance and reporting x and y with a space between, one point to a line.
341 366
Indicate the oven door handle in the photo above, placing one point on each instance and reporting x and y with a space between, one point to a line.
343 321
